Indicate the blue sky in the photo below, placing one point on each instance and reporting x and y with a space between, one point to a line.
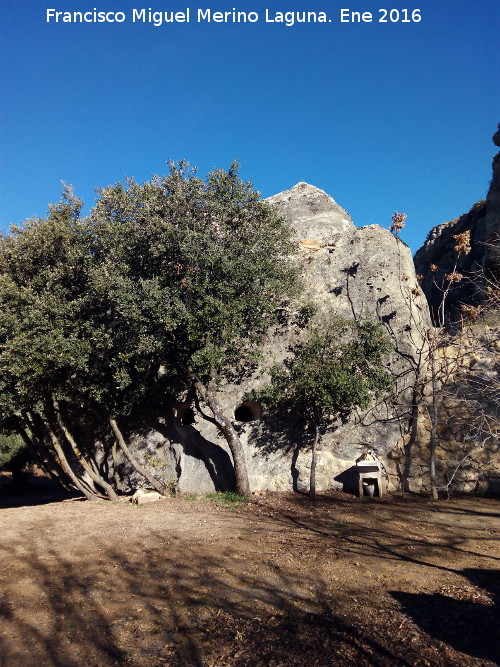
383 116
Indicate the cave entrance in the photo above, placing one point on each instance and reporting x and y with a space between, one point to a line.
248 411
184 414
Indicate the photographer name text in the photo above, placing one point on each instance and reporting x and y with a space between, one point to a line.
234 16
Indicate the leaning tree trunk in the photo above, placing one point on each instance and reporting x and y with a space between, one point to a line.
36 454
98 479
90 495
116 477
40 458
312 477
228 431
46 451
133 461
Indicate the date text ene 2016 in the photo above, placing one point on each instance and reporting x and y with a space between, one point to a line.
385 16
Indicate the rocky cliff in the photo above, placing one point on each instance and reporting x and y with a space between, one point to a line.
483 224
312 213
468 360
362 273
353 272
467 371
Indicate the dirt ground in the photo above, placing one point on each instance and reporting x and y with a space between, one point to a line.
277 581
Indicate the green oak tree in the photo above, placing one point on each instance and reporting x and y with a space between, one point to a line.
217 258
165 285
337 368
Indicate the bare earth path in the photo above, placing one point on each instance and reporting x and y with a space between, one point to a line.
277 581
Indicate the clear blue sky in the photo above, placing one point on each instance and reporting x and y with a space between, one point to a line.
382 116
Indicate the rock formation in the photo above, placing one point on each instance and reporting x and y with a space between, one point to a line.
493 199
467 367
353 272
471 357
356 273
483 223
312 213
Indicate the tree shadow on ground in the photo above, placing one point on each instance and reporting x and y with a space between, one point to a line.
175 606
406 544
32 490
462 510
193 600
458 617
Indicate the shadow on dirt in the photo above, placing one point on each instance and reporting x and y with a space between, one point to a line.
398 544
177 607
468 625
196 601
30 490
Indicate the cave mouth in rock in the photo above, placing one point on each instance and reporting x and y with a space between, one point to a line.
184 414
248 411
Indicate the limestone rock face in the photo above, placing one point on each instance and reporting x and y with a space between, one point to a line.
352 272
312 213
468 451
483 223
492 219
362 273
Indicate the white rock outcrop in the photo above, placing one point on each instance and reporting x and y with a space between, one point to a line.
354 272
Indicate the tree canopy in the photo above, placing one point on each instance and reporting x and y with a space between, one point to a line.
337 368
163 285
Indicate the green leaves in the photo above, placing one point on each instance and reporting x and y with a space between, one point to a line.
337 369
178 273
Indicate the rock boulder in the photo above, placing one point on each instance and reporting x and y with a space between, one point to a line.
353 272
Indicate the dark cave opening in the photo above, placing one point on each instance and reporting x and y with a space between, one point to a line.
248 411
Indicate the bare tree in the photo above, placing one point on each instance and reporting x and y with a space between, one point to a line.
456 377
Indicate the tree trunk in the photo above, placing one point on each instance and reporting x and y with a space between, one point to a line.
312 477
45 451
133 461
116 477
81 459
433 418
228 431
37 455
79 484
